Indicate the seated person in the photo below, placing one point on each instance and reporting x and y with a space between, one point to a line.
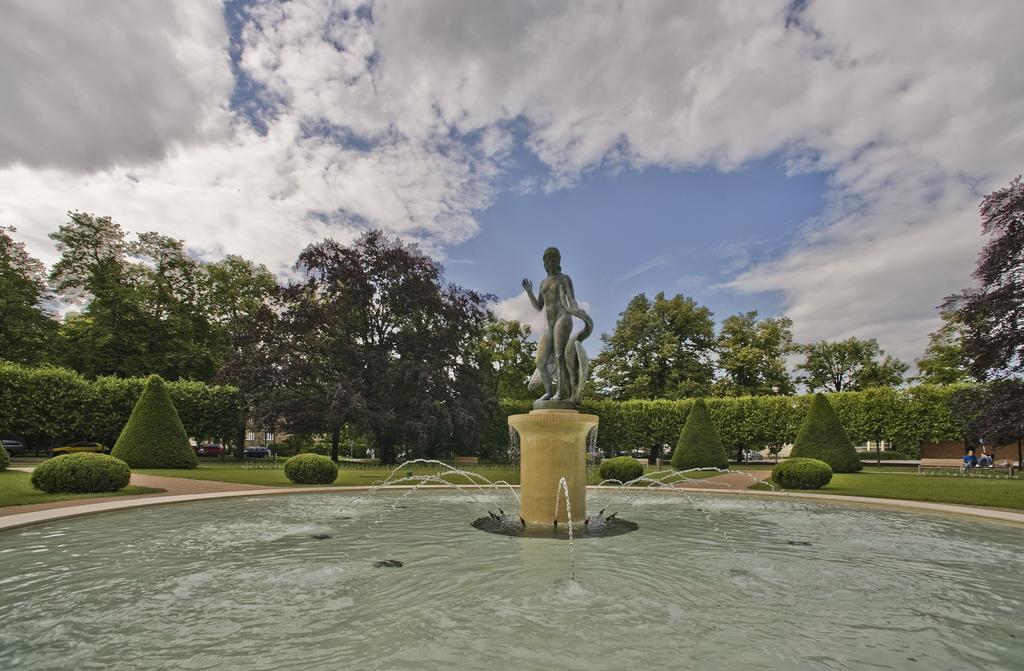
985 461
970 461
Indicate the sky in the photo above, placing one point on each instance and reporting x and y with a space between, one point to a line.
819 160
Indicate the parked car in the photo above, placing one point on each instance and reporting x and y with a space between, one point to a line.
257 452
13 447
80 446
209 450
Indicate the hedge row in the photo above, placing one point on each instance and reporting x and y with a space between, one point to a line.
903 417
55 403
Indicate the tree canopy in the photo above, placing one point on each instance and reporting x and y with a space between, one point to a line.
849 365
992 312
26 329
507 355
752 356
944 361
659 349
371 335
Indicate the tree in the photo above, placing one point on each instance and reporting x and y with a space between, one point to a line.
822 437
154 436
371 335
752 356
699 445
506 353
26 329
148 306
992 412
659 349
849 365
992 313
944 361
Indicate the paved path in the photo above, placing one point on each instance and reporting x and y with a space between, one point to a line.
734 480
171 487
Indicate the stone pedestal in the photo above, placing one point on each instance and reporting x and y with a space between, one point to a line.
552 445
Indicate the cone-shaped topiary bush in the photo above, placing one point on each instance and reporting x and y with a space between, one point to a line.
81 473
799 473
154 436
622 469
821 436
699 445
311 469
5 459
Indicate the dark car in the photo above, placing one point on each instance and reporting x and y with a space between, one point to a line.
13 447
257 452
209 450
80 446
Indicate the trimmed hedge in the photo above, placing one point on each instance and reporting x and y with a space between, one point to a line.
81 473
5 459
622 469
822 437
56 403
311 469
154 436
699 445
801 473
903 417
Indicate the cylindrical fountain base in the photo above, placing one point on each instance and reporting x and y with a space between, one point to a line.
552 446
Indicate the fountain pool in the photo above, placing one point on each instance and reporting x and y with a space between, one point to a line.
706 582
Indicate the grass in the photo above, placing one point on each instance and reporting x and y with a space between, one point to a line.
347 477
16 490
883 483
260 473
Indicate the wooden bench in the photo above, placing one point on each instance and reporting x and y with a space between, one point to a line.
958 464
467 461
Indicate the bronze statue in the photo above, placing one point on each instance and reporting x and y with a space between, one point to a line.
561 359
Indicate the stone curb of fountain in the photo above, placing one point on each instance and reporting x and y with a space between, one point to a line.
18 520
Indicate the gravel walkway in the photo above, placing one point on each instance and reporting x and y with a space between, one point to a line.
735 480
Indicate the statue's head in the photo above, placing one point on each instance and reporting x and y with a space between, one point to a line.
552 260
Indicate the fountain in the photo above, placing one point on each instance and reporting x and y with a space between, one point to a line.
717 582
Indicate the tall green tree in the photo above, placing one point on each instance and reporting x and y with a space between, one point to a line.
752 356
992 312
27 330
148 305
372 335
659 349
944 361
109 335
849 365
506 354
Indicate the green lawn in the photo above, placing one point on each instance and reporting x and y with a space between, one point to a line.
16 490
347 477
883 483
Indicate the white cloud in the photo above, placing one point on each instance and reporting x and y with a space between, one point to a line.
86 85
518 308
913 107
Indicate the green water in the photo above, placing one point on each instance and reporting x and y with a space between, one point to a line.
705 583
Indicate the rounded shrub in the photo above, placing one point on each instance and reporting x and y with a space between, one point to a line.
802 473
154 436
5 459
80 473
699 445
622 469
821 436
310 469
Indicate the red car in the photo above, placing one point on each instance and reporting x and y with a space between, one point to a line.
209 450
